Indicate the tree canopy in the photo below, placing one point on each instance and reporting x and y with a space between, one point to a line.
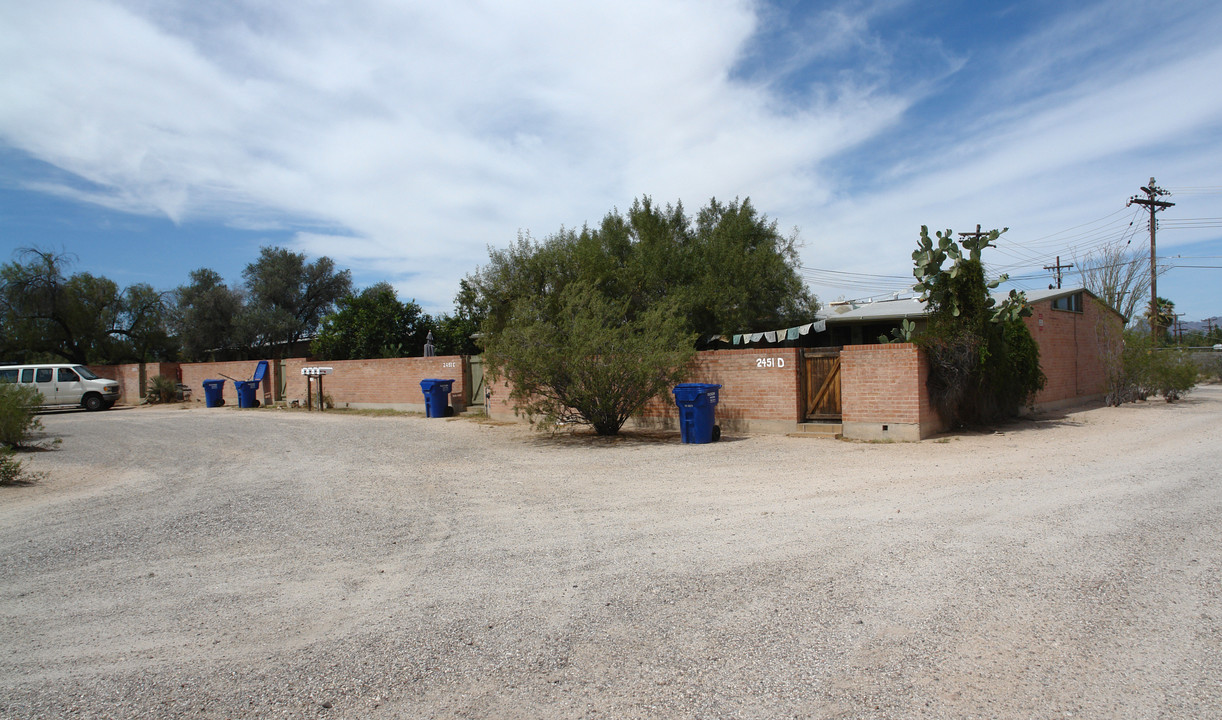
1118 276
82 318
588 325
207 314
289 297
371 324
728 270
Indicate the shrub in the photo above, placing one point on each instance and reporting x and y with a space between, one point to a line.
1145 370
1175 374
11 471
585 364
18 425
161 389
17 421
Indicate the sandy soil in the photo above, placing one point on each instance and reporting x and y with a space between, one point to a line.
193 563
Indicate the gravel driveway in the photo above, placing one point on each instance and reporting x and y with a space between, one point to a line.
195 563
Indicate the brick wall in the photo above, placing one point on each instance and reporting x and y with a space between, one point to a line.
760 391
387 383
194 375
882 386
883 393
131 389
1070 350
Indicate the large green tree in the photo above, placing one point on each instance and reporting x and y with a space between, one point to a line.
82 318
729 270
618 307
206 315
455 333
371 324
289 297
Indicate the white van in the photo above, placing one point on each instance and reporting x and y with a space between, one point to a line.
64 385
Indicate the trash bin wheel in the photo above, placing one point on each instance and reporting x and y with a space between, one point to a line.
449 411
716 433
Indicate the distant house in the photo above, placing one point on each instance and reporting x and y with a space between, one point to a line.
834 374
1072 327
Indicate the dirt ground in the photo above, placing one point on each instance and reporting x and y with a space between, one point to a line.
194 563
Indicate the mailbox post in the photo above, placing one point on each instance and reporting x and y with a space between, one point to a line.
311 374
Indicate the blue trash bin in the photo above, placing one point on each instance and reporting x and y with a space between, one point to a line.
437 397
247 390
696 403
214 393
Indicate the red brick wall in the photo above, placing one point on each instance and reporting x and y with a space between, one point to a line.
390 381
885 384
385 381
760 388
194 375
128 376
498 403
1070 349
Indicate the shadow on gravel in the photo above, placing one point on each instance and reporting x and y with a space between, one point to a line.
1021 425
587 438
1068 417
75 410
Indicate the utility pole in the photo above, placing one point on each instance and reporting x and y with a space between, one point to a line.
1058 267
1151 201
1179 328
1211 324
976 235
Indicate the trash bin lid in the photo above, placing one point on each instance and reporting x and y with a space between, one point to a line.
696 393
260 371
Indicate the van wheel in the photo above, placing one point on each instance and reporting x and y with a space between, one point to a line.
94 402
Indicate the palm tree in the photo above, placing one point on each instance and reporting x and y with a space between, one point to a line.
1161 318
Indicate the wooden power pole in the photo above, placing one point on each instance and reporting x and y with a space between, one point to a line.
1058 268
1151 202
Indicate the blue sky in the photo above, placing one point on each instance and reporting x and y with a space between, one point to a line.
149 138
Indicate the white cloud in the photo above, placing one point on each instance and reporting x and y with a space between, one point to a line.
402 139
1069 155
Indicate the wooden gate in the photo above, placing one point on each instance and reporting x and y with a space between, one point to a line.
475 380
821 382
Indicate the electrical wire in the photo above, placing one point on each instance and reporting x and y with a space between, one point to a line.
1026 261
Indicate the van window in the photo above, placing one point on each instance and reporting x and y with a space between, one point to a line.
42 375
8 375
27 375
66 375
84 372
